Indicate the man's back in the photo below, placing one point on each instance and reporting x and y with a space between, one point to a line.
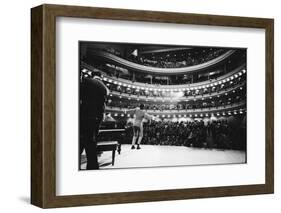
139 115
93 95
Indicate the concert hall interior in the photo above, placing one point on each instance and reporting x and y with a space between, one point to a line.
194 98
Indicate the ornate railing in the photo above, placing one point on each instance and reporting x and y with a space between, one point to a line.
169 87
241 105
185 98
118 60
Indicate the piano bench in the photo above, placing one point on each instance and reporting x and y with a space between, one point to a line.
104 146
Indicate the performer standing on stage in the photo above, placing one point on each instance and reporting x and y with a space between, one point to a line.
93 96
139 114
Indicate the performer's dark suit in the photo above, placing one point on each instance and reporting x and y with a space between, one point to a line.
93 95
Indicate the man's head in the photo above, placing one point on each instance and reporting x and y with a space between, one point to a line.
96 75
141 106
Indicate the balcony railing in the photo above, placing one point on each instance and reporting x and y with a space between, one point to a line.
117 60
233 107
164 87
168 99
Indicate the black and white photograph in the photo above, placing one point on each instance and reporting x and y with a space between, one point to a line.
161 105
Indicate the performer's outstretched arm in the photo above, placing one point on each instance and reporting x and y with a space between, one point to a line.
149 117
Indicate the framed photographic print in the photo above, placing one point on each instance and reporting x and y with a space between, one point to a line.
137 106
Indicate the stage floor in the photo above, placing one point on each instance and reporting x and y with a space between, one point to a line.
156 156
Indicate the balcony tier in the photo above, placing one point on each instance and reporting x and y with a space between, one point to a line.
156 70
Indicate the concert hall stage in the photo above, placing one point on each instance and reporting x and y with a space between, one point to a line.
154 156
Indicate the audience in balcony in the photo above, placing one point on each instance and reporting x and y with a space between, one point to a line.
187 93
190 105
183 58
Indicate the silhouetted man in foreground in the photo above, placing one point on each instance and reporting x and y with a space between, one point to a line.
93 96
